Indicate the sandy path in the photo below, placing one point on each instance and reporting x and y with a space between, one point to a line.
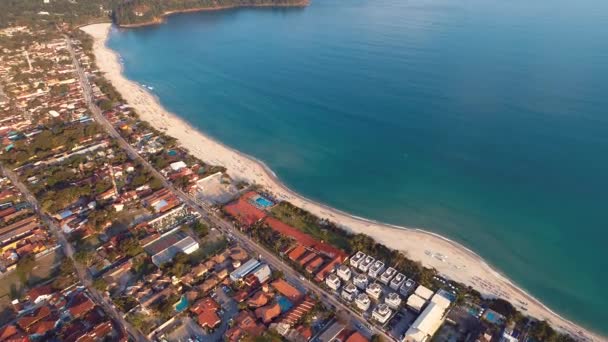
451 259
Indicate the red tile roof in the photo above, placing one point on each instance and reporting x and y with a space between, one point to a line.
320 276
286 289
36 292
245 212
297 252
258 299
8 331
304 239
356 337
26 321
79 304
206 303
208 319
268 313
298 311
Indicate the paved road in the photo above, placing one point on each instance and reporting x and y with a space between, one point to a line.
209 215
81 272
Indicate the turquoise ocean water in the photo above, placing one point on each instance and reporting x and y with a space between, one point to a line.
482 120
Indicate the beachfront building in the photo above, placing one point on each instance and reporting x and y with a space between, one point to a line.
366 263
344 272
356 259
374 291
415 302
349 292
244 270
393 300
376 269
386 277
382 313
361 281
362 301
407 287
425 326
397 281
332 281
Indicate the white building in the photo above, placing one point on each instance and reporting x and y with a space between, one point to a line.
163 249
425 326
263 273
407 287
393 300
386 277
376 269
178 165
441 301
244 269
333 281
356 259
344 272
397 281
366 263
349 292
424 292
382 313
374 291
362 301
360 281
508 335
415 302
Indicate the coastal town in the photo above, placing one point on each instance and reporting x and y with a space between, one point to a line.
112 230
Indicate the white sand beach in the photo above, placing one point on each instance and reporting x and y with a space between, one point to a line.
451 259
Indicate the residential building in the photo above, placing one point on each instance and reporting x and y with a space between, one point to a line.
407 287
397 281
333 281
360 281
374 291
376 269
382 313
362 301
366 263
344 272
393 300
386 277
356 259
349 292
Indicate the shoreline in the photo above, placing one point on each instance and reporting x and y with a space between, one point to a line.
457 262
161 19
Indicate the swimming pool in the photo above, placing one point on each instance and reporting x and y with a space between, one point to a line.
493 317
182 304
284 303
263 202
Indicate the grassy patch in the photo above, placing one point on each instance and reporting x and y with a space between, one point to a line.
208 248
309 224
45 268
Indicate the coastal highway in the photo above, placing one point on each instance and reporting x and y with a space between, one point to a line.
81 272
210 216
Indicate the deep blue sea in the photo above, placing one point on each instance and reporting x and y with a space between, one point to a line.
482 120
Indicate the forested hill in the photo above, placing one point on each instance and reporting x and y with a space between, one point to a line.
37 13
141 12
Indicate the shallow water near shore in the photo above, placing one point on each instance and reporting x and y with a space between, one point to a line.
484 121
